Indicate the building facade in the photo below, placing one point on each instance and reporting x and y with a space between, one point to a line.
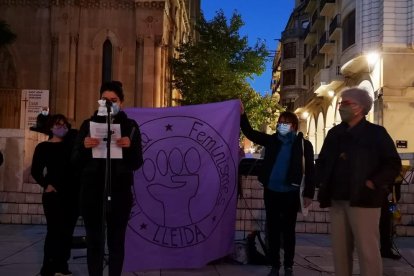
68 48
353 43
367 43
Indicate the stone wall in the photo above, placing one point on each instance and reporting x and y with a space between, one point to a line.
251 214
21 203
20 196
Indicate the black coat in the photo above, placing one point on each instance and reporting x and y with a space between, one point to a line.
372 156
272 146
132 157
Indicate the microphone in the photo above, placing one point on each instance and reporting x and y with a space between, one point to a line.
108 103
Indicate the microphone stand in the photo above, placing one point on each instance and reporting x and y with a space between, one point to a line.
107 195
108 171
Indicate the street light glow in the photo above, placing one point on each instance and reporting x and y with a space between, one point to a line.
372 58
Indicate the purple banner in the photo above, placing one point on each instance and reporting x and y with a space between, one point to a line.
185 193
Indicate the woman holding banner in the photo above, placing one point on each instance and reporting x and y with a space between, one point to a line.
281 176
101 206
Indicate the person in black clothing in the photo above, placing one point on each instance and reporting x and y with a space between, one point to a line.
357 163
60 194
1 158
94 206
42 122
386 223
281 175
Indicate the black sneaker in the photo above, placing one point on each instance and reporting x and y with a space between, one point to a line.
288 271
274 271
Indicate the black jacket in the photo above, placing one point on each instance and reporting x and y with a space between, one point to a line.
372 156
51 164
272 146
131 157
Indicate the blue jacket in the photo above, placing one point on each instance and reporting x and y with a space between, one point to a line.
272 146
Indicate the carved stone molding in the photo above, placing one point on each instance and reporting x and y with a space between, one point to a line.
88 4
158 5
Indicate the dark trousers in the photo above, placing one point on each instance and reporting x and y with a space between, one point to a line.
385 227
281 214
61 214
114 221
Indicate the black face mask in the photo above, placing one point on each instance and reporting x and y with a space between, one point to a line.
347 113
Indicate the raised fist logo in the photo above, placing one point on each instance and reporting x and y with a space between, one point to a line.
185 183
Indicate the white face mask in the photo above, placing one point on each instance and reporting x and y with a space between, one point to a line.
283 129
45 112
102 110
115 108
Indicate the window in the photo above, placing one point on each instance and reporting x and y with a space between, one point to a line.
348 30
289 104
289 50
107 61
289 77
305 24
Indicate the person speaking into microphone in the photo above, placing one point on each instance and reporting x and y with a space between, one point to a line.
96 210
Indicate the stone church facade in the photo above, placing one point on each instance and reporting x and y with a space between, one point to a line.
68 48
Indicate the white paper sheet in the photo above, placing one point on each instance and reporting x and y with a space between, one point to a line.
100 131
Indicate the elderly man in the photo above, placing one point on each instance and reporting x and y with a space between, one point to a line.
356 165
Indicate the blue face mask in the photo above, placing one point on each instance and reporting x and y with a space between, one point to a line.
115 108
60 131
283 129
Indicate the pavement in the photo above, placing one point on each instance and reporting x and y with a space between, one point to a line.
21 251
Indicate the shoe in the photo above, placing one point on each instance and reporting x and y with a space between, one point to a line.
288 271
66 272
274 271
390 255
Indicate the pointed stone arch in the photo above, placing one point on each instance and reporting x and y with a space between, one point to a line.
103 35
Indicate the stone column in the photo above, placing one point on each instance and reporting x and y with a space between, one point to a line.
139 61
157 72
148 72
73 52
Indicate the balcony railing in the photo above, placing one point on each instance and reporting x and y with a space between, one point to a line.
315 16
322 40
335 27
309 36
314 52
325 45
321 78
293 33
327 7
316 20
311 5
